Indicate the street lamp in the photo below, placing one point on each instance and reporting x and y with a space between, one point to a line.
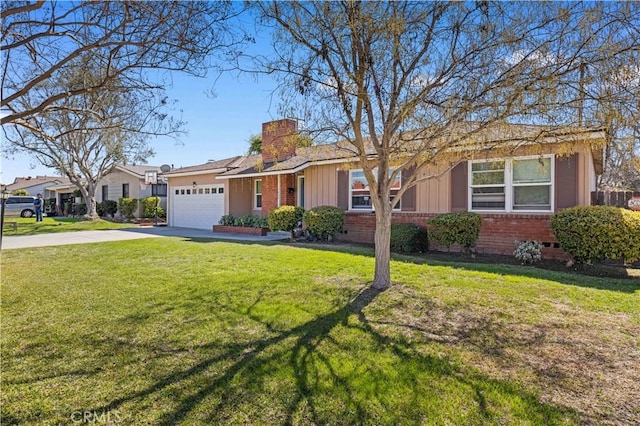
5 195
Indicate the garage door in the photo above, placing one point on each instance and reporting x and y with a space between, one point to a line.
200 207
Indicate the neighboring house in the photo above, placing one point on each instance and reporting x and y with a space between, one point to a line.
128 181
123 181
37 185
516 184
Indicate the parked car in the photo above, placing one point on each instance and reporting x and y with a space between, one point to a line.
19 206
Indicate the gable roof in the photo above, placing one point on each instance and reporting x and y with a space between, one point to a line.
28 182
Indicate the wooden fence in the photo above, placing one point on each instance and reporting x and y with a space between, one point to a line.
612 198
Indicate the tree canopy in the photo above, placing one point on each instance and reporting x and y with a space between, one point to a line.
403 82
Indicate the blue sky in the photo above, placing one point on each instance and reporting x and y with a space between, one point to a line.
217 127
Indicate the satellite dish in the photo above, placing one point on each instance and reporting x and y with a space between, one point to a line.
165 168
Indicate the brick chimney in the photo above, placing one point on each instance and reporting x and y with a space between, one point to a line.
279 140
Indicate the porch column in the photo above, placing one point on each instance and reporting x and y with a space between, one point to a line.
279 192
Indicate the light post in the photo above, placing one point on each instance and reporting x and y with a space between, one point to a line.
5 195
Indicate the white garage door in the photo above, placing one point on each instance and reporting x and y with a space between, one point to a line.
200 207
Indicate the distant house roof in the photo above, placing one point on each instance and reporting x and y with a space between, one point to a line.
28 182
137 170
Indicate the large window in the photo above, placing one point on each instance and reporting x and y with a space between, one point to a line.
258 194
159 190
359 193
521 184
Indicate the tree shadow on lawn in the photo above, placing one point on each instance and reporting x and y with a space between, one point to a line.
238 378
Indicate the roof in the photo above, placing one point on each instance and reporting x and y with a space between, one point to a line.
466 137
206 167
28 182
137 170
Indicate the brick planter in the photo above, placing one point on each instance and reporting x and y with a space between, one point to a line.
244 230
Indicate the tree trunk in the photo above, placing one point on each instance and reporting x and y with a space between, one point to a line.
89 195
382 277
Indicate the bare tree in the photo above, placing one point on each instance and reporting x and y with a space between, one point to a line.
403 82
88 134
131 41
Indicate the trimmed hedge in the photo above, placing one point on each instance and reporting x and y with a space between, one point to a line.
247 221
127 207
409 238
107 208
324 221
594 233
149 207
461 228
285 218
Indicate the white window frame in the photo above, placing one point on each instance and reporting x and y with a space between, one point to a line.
398 206
509 185
256 193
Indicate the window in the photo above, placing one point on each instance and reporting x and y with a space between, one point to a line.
359 194
159 190
258 194
105 192
532 184
521 184
487 183
125 190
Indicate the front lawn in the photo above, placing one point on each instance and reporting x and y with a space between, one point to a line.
168 331
29 226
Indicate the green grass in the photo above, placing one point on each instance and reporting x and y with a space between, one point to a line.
170 331
29 226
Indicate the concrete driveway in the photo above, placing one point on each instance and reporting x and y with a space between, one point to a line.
82 237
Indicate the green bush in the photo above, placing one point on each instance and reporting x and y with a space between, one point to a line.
248 220
107 208
285 218
324 221
21 191
461 228
149 207
409 238
80 209
593 233
127 207
227 220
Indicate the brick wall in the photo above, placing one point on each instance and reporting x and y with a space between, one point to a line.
278 140
270 192
497 233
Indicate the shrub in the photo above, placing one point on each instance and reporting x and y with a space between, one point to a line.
455 228
127 207
248 220
592 233
324 221
227 220
107 208
408 238
149 207
20 192
528 252
80 209
285 218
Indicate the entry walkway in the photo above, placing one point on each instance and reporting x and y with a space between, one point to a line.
82 237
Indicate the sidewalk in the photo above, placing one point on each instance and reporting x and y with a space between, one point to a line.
83 237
